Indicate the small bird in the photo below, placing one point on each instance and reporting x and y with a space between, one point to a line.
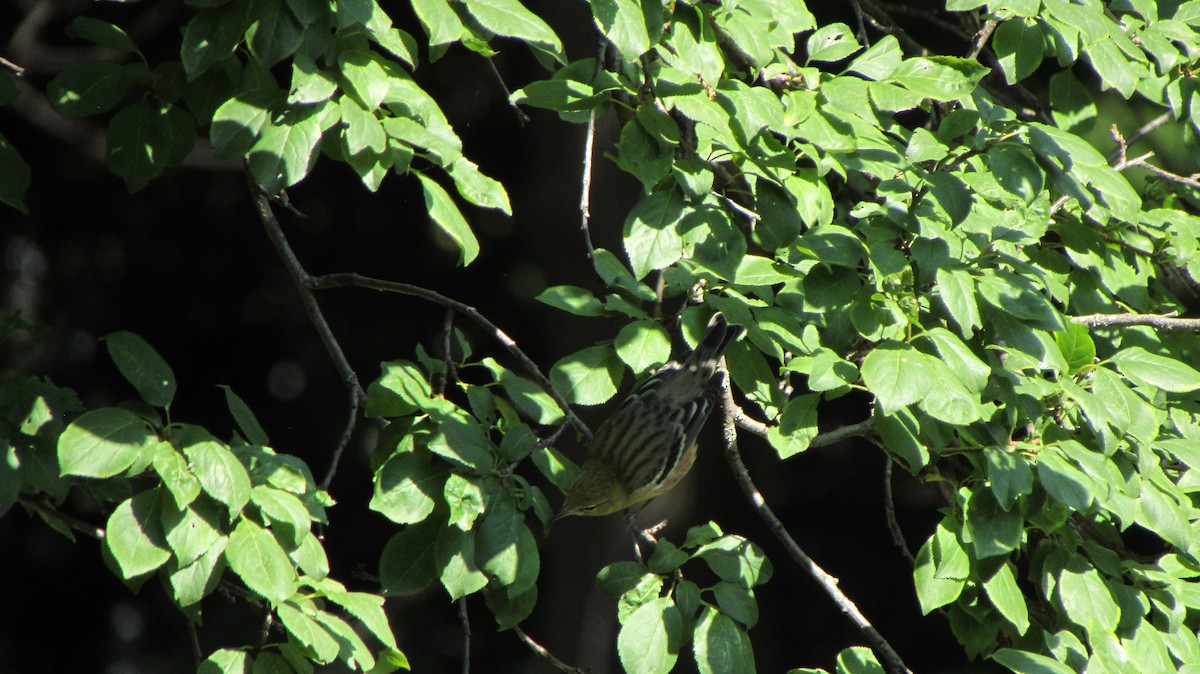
649 444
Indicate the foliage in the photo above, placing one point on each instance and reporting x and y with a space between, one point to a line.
917 226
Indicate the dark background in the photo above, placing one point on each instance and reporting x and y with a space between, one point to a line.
185 264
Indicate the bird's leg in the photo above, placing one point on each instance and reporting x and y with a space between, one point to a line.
641 535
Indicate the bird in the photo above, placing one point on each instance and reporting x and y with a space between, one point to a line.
649 444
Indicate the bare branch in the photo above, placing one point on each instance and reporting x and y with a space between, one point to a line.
466 628
982 37
1156 321
585 189
303 282
1123 162
546 655
522 118
858 430
353 280
1141 133
891 659
889 509
70 521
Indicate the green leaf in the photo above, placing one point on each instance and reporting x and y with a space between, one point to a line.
212 35
720 645
1148 369
465 498
400 390
192 530
237 123
511 19
225 661
589 376
1024 662
737 602
282 511
930 78
409 561
1017 296
142 139
455 560
956 290
652 240
221 475
572 299
992 530
736 560
880 60
143 367
14 176
797 426
510 610
1088 602
93 87
134 535
439 20
275 33
244 416
858 660
286 150
650 638
102 443
407 487
643 345
309 632
1004 594
933 590
258 559
526 396
897 374
1018 47
102 33
1076 346
478 188
445 214
197 580
461 439
623 24
832 42
618 578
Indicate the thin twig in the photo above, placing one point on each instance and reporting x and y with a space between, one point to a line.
303 282
70 521
353 280
1141 133
828 583
15 69
522 118
541 652
589 142
466 627
889 509
981 38
194 638
741 210
1123 162
1156 321
448 373
857 430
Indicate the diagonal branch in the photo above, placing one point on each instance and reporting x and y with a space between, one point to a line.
541 652
303 283
1156 321
352 280
891 659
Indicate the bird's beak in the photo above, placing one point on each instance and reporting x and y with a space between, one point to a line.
561 514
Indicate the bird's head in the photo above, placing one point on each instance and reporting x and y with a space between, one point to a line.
598 491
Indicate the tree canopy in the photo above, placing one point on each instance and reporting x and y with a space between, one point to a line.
962 240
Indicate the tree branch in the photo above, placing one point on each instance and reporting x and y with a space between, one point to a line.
303 282
1156 321
465 621
353 280
71 522
1123 162
891 659
585 188
545 654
